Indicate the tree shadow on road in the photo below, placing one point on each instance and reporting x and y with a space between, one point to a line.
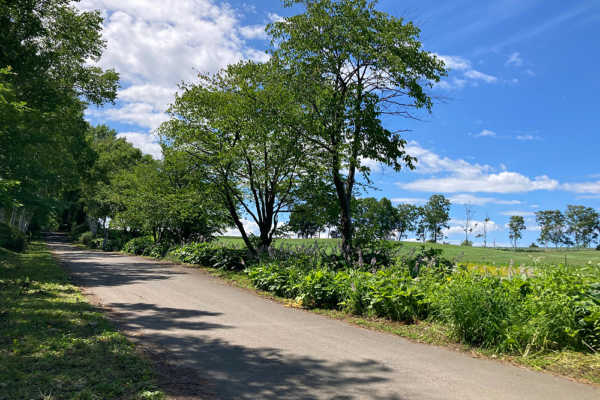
191 365
91 269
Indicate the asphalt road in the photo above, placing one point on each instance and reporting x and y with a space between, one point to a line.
237 345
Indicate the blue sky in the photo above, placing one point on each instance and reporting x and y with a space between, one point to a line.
515 128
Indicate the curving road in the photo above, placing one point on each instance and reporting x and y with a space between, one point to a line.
218 341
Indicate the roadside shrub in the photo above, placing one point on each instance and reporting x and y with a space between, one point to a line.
157 250
478 308
276 278
86 238
138 245
322 288
78 230
11 238
212 255
558 308
427 260
395 295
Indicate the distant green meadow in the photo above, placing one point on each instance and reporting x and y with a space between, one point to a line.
464 254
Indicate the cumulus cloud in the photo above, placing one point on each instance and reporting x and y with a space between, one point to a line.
518 213
480 201
457 226
503 182
145 142
462 176
409 200
486 133
480 76
467 74
253 32
583 187
155 45
249 227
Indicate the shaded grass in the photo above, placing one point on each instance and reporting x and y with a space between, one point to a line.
464 254
54 344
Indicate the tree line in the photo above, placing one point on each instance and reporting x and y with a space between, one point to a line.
295 135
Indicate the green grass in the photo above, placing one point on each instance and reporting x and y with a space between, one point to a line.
54 344
478 255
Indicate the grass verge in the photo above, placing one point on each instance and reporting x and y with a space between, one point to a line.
54 344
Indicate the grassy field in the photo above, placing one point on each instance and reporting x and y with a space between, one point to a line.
463 254
54 344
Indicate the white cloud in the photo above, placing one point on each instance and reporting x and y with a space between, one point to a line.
157 96
528 137
455 62
583 187
145 142
486 133
253 32
515 59
429 162
155 45
503 182
478 75
275 17
518 213
457 226
479 201
463 176
409 200
140 114
249 227
469 75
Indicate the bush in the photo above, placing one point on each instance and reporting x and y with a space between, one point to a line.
212 255
467 243
427 260
558 308
11 238
275 278
86 238
138 246
78 230
477 307
395 295
157 250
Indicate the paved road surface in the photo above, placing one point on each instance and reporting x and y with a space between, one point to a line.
247 347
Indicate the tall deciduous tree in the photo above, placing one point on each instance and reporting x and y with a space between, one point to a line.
552 227
582 223
168 199
236 125
516 226
374 219
349 65
436 214
48 46
407 219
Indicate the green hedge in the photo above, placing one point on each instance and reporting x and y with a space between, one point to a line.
11 238
213 255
